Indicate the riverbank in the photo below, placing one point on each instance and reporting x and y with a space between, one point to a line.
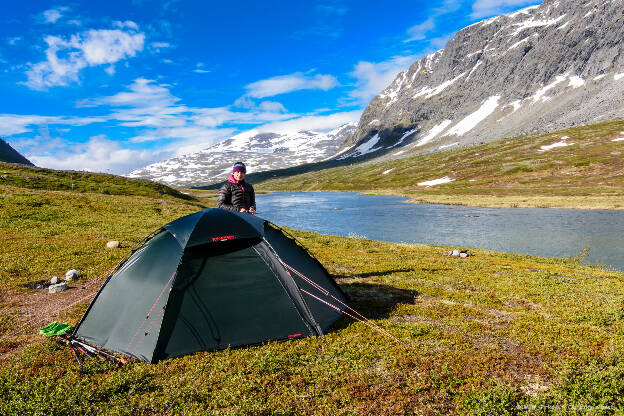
491 334
585 170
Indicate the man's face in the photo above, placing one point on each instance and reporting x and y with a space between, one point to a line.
239 176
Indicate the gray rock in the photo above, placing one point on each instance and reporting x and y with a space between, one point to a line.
71 274
455 253
112 244
54 280
547 67
57 287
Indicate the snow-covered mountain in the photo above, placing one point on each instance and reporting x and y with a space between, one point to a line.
547 67
260 151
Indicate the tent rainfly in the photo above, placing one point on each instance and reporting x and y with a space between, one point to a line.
208 281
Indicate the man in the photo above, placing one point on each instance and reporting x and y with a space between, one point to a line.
236 194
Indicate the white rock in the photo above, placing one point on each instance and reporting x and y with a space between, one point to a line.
54 280
57 288
71 274
456 253
112 244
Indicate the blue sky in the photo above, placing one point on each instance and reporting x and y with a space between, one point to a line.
113 86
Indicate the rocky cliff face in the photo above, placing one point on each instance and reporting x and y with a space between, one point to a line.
10 155
547 67
259 151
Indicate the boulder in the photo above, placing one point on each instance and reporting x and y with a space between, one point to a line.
58 287
112 244
71 274
54 280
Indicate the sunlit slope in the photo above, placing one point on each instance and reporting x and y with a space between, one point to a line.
22 176
578 167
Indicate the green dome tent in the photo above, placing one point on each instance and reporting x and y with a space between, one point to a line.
208 281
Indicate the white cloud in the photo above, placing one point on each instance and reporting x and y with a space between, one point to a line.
128 24
272 106
54 14
15 40
419 31
288 83
486 8
159 116
373 77
201 71
99 154
325 122
90 48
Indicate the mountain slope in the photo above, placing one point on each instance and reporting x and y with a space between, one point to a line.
260 151
10 155
547 67
580 167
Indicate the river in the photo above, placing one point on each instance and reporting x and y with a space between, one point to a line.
546 232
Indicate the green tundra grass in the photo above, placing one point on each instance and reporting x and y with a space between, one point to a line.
492 334
589 173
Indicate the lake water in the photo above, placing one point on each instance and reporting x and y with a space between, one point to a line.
544 232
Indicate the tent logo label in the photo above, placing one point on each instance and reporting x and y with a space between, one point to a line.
223 238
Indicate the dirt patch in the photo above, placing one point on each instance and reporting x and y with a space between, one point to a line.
31 310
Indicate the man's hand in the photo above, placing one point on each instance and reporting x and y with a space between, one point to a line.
252 211
243 210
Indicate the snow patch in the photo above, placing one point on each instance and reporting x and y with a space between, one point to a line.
434 132
540 94
403 137
444 146
618 76
562 143
563 26
368 145
429 92
619 139
596 78
576 81
529 24
439 181
522 11
385 172
471 121
474 69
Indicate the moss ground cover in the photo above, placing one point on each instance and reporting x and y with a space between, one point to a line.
588 173
492 334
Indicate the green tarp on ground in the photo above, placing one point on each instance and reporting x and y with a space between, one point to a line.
55 329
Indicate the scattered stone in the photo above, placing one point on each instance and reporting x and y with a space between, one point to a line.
71 274
58 287
462 254
112 244
54 280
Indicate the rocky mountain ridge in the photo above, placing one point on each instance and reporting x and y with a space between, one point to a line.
556 65
261 151
10 155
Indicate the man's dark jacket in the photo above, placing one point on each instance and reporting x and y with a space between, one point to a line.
235 195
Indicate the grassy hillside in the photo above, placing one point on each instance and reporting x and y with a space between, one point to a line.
492 334
22 176
589 173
